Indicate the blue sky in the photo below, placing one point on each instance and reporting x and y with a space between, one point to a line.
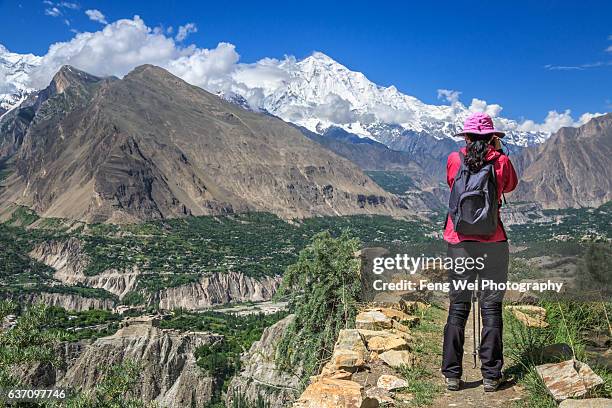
529 57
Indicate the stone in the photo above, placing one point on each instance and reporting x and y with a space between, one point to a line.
348 360
349 351
368 334
587 403
400 327
555 352
331 393
393 313
391 382
350 339
372 320
568 379
380 394
382 344
397 358
529 315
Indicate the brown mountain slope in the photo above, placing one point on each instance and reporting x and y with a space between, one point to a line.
152 146
571 169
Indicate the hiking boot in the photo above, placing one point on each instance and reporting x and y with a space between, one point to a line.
453 384
491 385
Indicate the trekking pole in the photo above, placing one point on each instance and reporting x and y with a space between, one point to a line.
474 325
478 333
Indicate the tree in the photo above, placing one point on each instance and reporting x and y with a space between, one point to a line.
323 288
26 342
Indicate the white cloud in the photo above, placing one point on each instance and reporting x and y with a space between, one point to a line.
124 44
96 15
55 9
53 12
449 95
478 105
555 121
185 30
69 5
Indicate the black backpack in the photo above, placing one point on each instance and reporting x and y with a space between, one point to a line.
473 205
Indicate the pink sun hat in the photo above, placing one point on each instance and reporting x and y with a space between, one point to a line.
479 123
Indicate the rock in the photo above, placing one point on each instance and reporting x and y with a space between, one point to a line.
525 298
568 379
331 393
259 373
530 316
411 306
367 334
219 288
68 301
380 394
601 358
349 351
372 320
348 360
391 382
397 358
342 375
381 344
400 327
555 352
587 403
397 315
170 375
350 339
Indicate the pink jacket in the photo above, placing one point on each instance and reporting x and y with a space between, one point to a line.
506 182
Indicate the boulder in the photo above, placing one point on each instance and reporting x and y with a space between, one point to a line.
372 320
397 358
331 393
381 395
568 379
587 403
555 352
391 382
347 360
381 344
350 339
349 351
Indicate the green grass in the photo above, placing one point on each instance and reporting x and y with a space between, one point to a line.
570 322
422 382
421 385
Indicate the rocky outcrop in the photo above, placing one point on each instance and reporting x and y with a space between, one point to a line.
68 301
260 378
70 261
219 288
169 376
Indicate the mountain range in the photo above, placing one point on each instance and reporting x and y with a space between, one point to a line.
192 136
151 146
317 93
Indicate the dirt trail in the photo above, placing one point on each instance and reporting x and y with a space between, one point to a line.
471 393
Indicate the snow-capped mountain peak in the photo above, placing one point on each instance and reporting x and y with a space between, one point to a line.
316 92
319 93
14 77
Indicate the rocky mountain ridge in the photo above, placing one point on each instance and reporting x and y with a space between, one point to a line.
572 169
151 146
